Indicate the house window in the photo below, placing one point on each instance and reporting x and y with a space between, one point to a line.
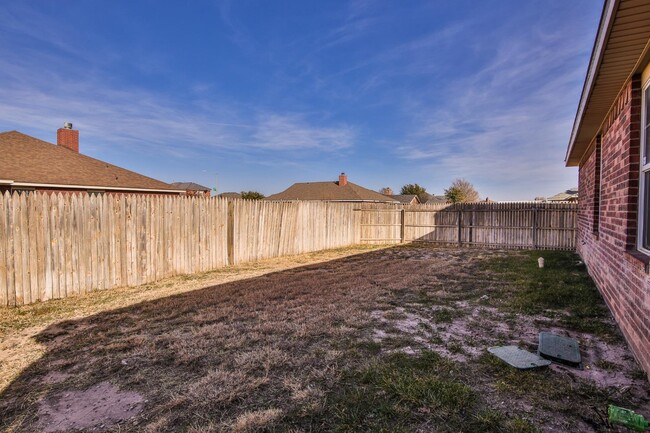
644 182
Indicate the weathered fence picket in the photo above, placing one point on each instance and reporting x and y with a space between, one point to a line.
60 245
506 225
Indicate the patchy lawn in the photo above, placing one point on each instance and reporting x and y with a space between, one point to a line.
370 340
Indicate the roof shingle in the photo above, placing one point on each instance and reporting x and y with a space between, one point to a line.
190 186
568 195
27 159
330 191
406 198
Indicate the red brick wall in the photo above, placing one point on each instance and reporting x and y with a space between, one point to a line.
586 189
198 193
68 138
609 247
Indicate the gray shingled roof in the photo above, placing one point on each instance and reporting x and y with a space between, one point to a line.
437 199
405 198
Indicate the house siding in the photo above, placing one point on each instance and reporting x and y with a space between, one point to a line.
607 220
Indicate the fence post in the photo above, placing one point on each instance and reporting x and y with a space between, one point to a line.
460 227
230 242
471 226
402 225
535 227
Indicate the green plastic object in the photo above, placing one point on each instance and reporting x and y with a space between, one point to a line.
626 417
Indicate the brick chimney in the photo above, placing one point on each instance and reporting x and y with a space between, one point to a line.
343 179
68 137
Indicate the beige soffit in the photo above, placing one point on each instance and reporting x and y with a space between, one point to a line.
621 41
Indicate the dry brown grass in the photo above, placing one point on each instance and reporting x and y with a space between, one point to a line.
19 326
276 347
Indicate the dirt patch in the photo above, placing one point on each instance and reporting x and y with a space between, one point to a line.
451 318
97 408
607 363
390 339
459 330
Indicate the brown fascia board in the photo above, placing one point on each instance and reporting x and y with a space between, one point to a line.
602 34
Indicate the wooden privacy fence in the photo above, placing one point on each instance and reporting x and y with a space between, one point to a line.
505 225
55 246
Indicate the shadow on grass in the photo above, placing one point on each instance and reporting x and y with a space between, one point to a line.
285 351
215 356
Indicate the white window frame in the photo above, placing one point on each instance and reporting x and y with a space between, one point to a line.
644 167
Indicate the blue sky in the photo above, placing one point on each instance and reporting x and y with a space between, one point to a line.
263 94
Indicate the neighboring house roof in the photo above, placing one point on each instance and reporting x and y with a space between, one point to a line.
189 186
568 195
30 162
437 199
330 191
230 195
406 198
622 37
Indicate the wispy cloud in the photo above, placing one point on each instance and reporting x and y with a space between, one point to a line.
278 132
507 122
140 120
238 33
361 16
359 85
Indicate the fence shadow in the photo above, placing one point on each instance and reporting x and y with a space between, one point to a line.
247 337
58 245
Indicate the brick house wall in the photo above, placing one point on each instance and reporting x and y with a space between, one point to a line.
198 193
607 220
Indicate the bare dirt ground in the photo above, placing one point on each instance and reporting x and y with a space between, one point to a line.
352 340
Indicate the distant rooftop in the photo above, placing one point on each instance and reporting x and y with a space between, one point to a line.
570 194
437 199
331 191
405 198
190 186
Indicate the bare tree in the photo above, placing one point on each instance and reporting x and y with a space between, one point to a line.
461 191
386 191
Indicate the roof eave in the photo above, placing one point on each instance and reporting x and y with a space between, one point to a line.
90 187
606 21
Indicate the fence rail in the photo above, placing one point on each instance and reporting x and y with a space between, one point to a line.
506 225
59 245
